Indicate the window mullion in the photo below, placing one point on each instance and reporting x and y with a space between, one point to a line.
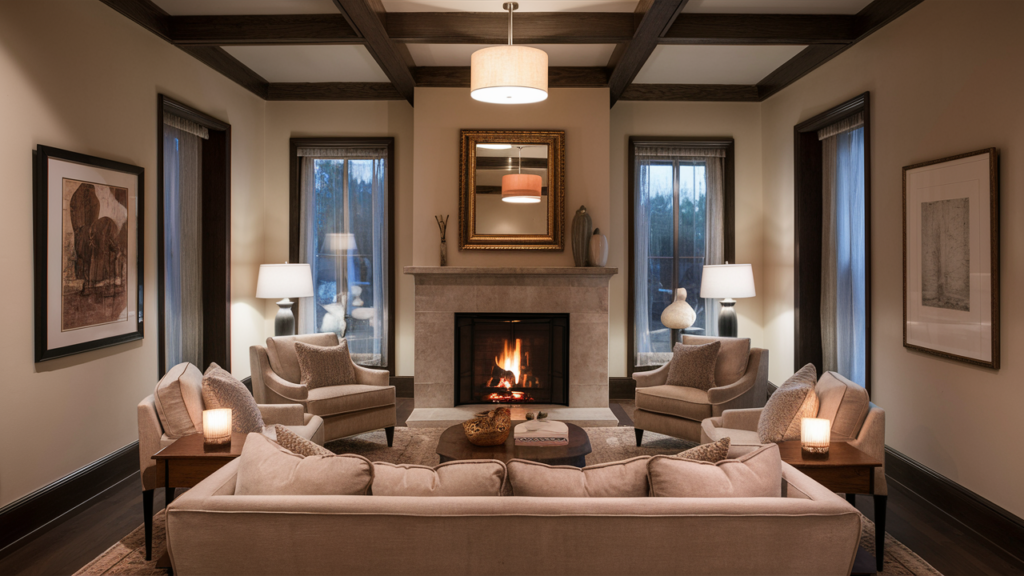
675 242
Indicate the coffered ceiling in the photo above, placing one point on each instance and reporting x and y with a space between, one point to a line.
711 50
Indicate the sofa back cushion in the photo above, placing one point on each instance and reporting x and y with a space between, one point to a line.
267 469
787 406
179 400
222 390
458 478
323 366
733 357
753 475
622 479
693 366
843 403
281 352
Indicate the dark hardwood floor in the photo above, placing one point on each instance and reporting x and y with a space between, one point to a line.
69 543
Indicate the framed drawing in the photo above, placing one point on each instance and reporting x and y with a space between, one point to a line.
951 257
88 253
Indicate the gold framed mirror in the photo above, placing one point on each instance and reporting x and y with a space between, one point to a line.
512 190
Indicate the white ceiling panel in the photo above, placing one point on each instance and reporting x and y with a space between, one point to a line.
495 5
713 64
776 6
339 63
235 7
558 54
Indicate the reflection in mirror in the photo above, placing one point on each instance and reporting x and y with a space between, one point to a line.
493 162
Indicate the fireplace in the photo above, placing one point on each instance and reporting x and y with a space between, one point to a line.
512 359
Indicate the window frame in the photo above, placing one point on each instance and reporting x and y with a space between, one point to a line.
726 143
295 206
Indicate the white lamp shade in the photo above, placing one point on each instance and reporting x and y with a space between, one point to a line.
815 433
727 281
217 425
339 242
284 281
509 75
521 188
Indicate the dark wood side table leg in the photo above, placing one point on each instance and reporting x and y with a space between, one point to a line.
147 519
168 490
852 499
389 433
880 504
639 436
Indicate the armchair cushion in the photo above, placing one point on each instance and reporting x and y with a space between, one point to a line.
321 366
458 478
281 352
753 475
733 356
179 400
795 399
222 390
349 398
842 402
265 468
680 401
693 366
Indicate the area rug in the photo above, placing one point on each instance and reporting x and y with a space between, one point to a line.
416 446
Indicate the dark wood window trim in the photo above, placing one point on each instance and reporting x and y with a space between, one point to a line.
730 218
216 232
807 223
294 217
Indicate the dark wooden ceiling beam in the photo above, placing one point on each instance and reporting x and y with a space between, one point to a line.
492 27
262 29
369 19
558 77
691 93
333 91
655 17
762 29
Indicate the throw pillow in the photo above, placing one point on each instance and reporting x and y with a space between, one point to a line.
622 479
459 478
265 468
795 399
179 401
757 474
222 390
712 452
294 443
693 366
733 356
321 366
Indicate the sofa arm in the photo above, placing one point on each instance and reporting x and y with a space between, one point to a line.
372 377
744 419
283 414
871 441
150 432
650 378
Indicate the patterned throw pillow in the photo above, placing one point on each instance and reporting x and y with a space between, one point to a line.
222 390
712 452
321 366
693 366
795 399
291 441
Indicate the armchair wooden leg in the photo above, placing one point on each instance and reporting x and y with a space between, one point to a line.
147 519
852 499
390 433
639 436
880 503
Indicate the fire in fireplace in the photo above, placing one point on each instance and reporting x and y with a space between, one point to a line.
512 358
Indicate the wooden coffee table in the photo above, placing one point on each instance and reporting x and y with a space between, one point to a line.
453 445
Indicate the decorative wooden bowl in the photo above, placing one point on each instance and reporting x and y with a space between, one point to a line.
489 428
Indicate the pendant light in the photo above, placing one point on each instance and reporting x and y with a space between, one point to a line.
521 188
509 74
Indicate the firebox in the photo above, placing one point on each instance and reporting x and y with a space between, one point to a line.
512 359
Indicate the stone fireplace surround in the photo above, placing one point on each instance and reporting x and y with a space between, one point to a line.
441 291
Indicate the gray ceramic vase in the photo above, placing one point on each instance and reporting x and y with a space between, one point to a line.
581 229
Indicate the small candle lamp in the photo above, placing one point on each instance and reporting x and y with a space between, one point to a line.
217 426
814 436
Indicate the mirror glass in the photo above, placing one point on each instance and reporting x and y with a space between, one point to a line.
495 216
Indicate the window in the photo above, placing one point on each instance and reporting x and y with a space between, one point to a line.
344 233
678 198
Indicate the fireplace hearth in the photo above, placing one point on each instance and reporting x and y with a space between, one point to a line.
511 359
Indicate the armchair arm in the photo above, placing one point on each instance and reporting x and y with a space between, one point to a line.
744 419
150 432
650 378
283 414
371 376
871 440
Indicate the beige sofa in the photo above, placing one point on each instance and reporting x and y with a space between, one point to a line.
678 411
347 410
212 531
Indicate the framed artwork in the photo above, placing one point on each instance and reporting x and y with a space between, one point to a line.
88 253
951 257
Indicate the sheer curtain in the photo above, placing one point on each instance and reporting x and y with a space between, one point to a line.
679 223
183 281
844 272
343 236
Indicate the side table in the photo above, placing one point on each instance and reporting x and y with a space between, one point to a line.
850 471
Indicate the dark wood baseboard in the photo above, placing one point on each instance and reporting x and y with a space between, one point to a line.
1000 527
34 511
403 386
620 388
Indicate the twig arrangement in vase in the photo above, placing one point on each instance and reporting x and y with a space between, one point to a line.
442 224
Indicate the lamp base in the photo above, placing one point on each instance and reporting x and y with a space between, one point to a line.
727 322
284 322
817 452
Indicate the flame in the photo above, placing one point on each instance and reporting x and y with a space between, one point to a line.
510 361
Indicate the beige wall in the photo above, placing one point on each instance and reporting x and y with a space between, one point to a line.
286 120
76 75
945 79
742 122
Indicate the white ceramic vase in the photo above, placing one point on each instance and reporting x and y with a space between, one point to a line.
598 248
678 315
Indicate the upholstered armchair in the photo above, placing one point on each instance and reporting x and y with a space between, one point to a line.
741 381
186 381
367 405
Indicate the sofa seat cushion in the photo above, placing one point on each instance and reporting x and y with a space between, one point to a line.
349 398
281 352
693 366
754 475
179 401
622 479
265 468
458 478
681 401
733 357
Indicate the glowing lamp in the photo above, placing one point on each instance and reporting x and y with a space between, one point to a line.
815 435
217 426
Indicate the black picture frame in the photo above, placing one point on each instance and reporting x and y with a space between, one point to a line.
43 205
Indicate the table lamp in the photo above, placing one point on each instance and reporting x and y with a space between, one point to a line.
815 435
284 281
217 426
727 281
